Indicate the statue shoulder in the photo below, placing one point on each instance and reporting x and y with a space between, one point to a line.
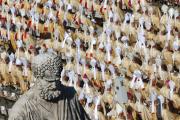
20 108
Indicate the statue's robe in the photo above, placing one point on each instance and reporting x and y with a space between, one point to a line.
31 107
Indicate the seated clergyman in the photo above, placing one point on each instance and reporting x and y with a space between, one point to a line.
48 99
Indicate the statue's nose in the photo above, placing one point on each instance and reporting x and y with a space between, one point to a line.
53 84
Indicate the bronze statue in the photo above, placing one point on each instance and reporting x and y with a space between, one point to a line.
48 99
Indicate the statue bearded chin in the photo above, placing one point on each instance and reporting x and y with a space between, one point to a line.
49 84
49 90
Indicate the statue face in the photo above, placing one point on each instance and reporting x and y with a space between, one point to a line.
48 85
49 90
47 69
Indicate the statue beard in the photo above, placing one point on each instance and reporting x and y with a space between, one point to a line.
49 92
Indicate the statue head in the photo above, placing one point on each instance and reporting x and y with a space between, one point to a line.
46 68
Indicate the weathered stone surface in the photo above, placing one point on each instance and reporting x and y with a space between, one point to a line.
48 99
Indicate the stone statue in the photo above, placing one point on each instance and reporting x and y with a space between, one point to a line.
48 99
